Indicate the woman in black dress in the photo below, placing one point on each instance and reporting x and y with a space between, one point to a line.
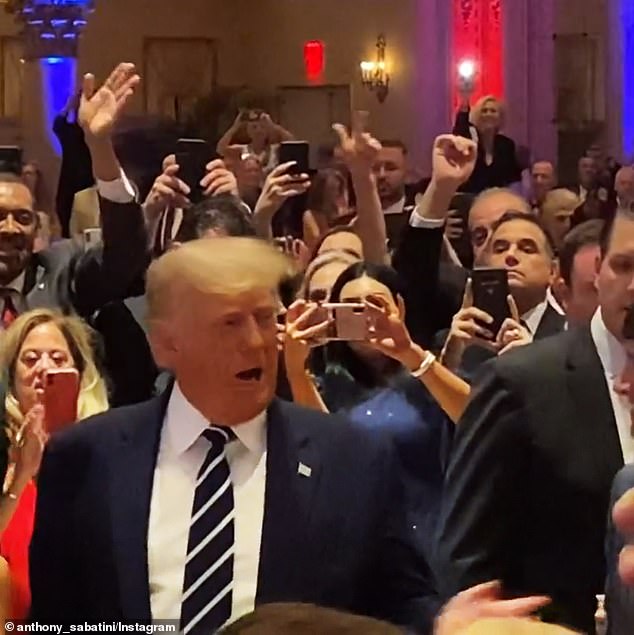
497 164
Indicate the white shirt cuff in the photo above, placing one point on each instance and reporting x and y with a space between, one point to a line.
415 220
118 191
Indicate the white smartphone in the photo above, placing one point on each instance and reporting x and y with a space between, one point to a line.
349 322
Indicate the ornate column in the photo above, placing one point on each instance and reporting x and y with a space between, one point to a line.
529 74
620 80
477 36
51 31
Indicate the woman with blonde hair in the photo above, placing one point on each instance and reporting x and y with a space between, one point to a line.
497 164
36 342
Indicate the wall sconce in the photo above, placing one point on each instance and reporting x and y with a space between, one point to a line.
374 74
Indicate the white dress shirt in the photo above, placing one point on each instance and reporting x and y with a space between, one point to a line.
118 191
612 356
181 454
397 208
533 317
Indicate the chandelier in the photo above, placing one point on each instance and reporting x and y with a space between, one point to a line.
50 28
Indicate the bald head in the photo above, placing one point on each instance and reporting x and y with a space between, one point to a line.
624 184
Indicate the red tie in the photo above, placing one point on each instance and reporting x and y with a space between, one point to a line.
9 312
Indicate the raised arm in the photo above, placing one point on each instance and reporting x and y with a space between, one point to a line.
360 150
417 258
227 137
106 274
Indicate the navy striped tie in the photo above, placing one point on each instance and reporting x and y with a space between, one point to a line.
207 588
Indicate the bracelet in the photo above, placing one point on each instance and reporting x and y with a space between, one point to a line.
425 365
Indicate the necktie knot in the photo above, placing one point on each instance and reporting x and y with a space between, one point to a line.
219 436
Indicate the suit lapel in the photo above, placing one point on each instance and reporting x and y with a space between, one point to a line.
550 324
292 476
595 414
130 495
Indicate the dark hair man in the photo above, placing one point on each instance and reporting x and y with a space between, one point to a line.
537 449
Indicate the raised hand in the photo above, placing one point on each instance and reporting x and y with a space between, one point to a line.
453 160
483 602
388 334
31 441
219 180
99 110
278 187
359 148
305 329
512 333
167 191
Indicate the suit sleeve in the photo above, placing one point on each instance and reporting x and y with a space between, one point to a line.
417 261
481 512
109 273
619 599
462 125
407 595
51 555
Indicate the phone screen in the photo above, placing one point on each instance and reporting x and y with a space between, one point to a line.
298 151
61 392
192 157
490 294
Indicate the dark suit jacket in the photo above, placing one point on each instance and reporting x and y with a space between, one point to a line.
68 278
504 169
528 484
433 291
550 324
335 538
619 598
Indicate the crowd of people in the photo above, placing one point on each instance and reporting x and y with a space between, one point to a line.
303 413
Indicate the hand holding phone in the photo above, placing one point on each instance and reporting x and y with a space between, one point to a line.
348 322
61 393
297 151
490 290
192 157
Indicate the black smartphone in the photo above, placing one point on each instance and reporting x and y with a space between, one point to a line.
490 294
298 151
192 157
628 323
11 159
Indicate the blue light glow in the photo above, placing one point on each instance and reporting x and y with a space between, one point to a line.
58 83
627 24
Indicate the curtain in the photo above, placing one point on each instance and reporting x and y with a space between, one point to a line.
477 35
178 72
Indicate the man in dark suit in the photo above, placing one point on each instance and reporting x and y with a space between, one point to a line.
67 276
520 245
619 597
435 289
214 498
309 510
547 428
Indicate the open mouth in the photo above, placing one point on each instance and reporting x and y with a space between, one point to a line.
252 374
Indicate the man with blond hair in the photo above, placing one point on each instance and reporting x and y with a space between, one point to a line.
216 497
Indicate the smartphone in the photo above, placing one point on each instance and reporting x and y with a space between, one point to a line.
349 322
298 151
11 159
61 392
192 157
490 294
628 324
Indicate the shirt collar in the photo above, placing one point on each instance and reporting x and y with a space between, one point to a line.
533 317
17 284
397 208
552 300
610 351
184 425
